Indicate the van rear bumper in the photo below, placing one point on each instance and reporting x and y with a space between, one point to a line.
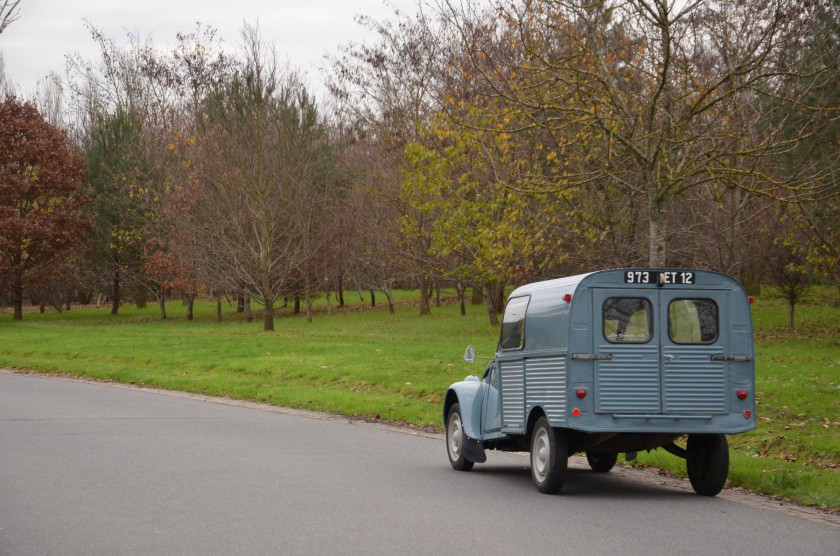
659 423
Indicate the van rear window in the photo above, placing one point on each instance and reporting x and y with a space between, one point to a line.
628 320
693 321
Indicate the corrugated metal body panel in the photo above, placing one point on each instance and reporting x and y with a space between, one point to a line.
513 395
630 382
546 385
693 382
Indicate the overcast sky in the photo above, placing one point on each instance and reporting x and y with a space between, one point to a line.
302 30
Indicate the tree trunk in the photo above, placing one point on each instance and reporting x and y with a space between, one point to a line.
115 301
657 231
341 291
17 291
218 305
190 298
268 317
162 302
424 295
386 289
462 297
490 297
372 299
249 314
477 297
297 304
792 303
42 305
308 304
141 298
437 293
240 303
329 302
500 299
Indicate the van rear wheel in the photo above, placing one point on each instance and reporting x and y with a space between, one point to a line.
549 457
707 462
602 462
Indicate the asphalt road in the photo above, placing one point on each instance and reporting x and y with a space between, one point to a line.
98 469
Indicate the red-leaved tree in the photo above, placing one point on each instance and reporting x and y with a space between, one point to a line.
41 225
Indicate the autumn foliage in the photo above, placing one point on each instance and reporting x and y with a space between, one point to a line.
41 226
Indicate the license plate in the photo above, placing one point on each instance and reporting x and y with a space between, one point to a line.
662 277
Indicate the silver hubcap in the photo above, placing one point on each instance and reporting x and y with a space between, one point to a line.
540 454
456 436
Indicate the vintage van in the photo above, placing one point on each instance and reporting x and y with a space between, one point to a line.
612 362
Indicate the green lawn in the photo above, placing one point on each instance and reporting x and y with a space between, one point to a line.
366 362
357 361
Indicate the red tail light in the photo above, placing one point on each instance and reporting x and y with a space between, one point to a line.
742 394
581 393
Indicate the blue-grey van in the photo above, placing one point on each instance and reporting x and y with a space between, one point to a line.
613 362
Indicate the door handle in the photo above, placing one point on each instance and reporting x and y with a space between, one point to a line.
668 357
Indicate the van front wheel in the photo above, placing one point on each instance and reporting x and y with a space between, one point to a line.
707 462
455 440
549 457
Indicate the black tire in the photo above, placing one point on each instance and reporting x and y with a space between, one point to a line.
549 457
455 439
602 462
707 462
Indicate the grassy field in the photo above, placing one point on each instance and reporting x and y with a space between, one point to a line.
368 363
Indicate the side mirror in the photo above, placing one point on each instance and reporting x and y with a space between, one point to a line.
469 355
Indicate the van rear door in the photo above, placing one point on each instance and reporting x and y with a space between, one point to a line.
654 351
694 379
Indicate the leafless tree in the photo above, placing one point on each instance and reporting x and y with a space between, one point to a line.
386 88
9 13
263 179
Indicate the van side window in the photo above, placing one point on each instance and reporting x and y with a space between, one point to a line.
693 321
513 323
628 320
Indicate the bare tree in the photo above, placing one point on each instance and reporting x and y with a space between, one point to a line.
261 179
386 88
9 13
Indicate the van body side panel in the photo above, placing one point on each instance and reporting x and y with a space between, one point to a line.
545 384
513 395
